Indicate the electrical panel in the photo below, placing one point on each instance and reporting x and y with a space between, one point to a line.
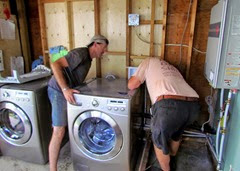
133 19
222 66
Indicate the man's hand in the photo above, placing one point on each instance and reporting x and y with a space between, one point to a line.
68 94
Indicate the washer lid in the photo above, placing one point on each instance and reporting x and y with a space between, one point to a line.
97 135
15 126
107 88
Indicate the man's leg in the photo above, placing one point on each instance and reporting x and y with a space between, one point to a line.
54 146
163 159
174 145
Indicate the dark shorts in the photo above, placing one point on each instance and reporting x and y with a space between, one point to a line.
59 107
170 117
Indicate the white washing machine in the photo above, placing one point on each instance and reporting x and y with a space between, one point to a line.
101 133
0 99
25 121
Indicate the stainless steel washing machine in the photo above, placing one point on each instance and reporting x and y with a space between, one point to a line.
25 121
100 128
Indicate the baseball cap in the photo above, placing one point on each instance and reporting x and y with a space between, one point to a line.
98 39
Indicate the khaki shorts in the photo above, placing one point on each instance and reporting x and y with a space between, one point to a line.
59 107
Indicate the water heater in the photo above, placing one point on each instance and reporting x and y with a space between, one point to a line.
222 65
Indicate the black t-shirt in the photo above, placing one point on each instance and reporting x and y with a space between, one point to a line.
79 63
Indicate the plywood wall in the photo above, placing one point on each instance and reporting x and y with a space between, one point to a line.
83 22
141 34
10 48
83 28
57 24
112 25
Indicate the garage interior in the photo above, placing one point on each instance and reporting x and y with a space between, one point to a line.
175 31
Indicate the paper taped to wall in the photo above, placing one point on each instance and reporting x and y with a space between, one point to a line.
1 61
8 29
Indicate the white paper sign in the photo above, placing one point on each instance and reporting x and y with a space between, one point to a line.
7 28
1 61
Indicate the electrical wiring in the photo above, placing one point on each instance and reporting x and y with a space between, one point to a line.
209 101
181 45
185 27
142 39
195 49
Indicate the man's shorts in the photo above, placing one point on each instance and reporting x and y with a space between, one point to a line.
170 117
59 107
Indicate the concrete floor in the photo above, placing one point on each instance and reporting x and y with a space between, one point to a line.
193 155
11 164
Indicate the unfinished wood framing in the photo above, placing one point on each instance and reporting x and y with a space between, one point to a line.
97 31
138 57
142 22
43 32
147 39
152 29
24 38
97 16
191 36
65 35
70 24
128 34
164 27
116 53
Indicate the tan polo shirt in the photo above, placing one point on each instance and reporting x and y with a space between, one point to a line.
162 79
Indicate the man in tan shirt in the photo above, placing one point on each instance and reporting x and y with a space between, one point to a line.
175 105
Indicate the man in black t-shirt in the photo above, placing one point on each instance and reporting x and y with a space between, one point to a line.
69 71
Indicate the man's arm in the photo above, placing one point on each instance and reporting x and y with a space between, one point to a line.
57 68
133 83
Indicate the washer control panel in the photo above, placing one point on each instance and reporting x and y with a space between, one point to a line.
15 95
116 105
113 105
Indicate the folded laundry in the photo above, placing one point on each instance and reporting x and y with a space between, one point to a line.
56 56
56 49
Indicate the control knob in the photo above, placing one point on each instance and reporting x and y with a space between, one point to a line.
95 103
6 94
122 108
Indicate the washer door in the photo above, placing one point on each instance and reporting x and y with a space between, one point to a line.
15 127
97 135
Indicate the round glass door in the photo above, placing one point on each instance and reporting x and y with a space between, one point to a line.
97 135
15 127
